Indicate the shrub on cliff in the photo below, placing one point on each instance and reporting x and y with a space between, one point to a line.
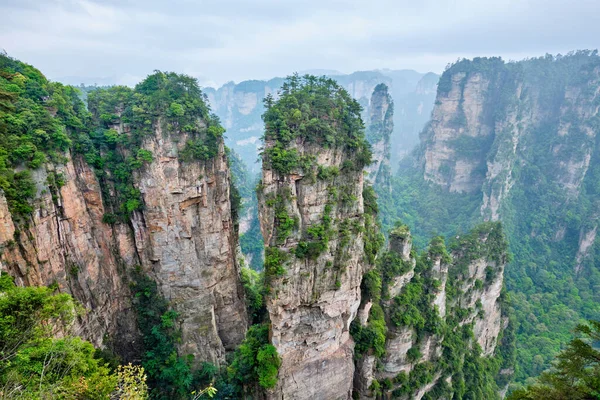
38 120
314 110
255 361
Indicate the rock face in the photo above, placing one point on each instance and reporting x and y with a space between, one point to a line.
517 142
457 292
311 308
488 118
341 328
185 237
67 243
313 225
181 233
380 128
457 115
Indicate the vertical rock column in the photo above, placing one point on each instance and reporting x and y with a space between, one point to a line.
311 215
381 126
312 304
186 238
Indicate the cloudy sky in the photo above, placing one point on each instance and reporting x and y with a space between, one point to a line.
121 41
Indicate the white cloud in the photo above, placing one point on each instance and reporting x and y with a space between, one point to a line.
222 40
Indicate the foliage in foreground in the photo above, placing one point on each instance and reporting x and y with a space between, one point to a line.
576 371
36 365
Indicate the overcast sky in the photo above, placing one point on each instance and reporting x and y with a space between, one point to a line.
121 41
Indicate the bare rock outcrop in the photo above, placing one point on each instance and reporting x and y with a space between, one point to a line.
490 116
186 239
65 242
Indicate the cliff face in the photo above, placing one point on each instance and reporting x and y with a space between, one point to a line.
65 242
437 308
458 115
380 127
311 216
350 321
141 186
518 142
488 116
186 239
311 307
142 205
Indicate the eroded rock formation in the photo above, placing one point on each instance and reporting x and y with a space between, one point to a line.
177 226
379 130
312 220
438 308
490 117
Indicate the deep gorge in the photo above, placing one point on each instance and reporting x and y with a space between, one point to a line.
131 205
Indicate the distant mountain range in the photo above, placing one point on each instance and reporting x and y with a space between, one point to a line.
240 107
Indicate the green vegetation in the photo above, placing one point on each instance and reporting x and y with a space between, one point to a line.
373 239
169 375
253 290
317 236
372 336
37 121
255 361
284 223
428 209
36 365
473 375
239 189
313 110
251 242
172 102
391 265
486 240
413 308
576 372
482 65
377 130
254 364
41 120
274 261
